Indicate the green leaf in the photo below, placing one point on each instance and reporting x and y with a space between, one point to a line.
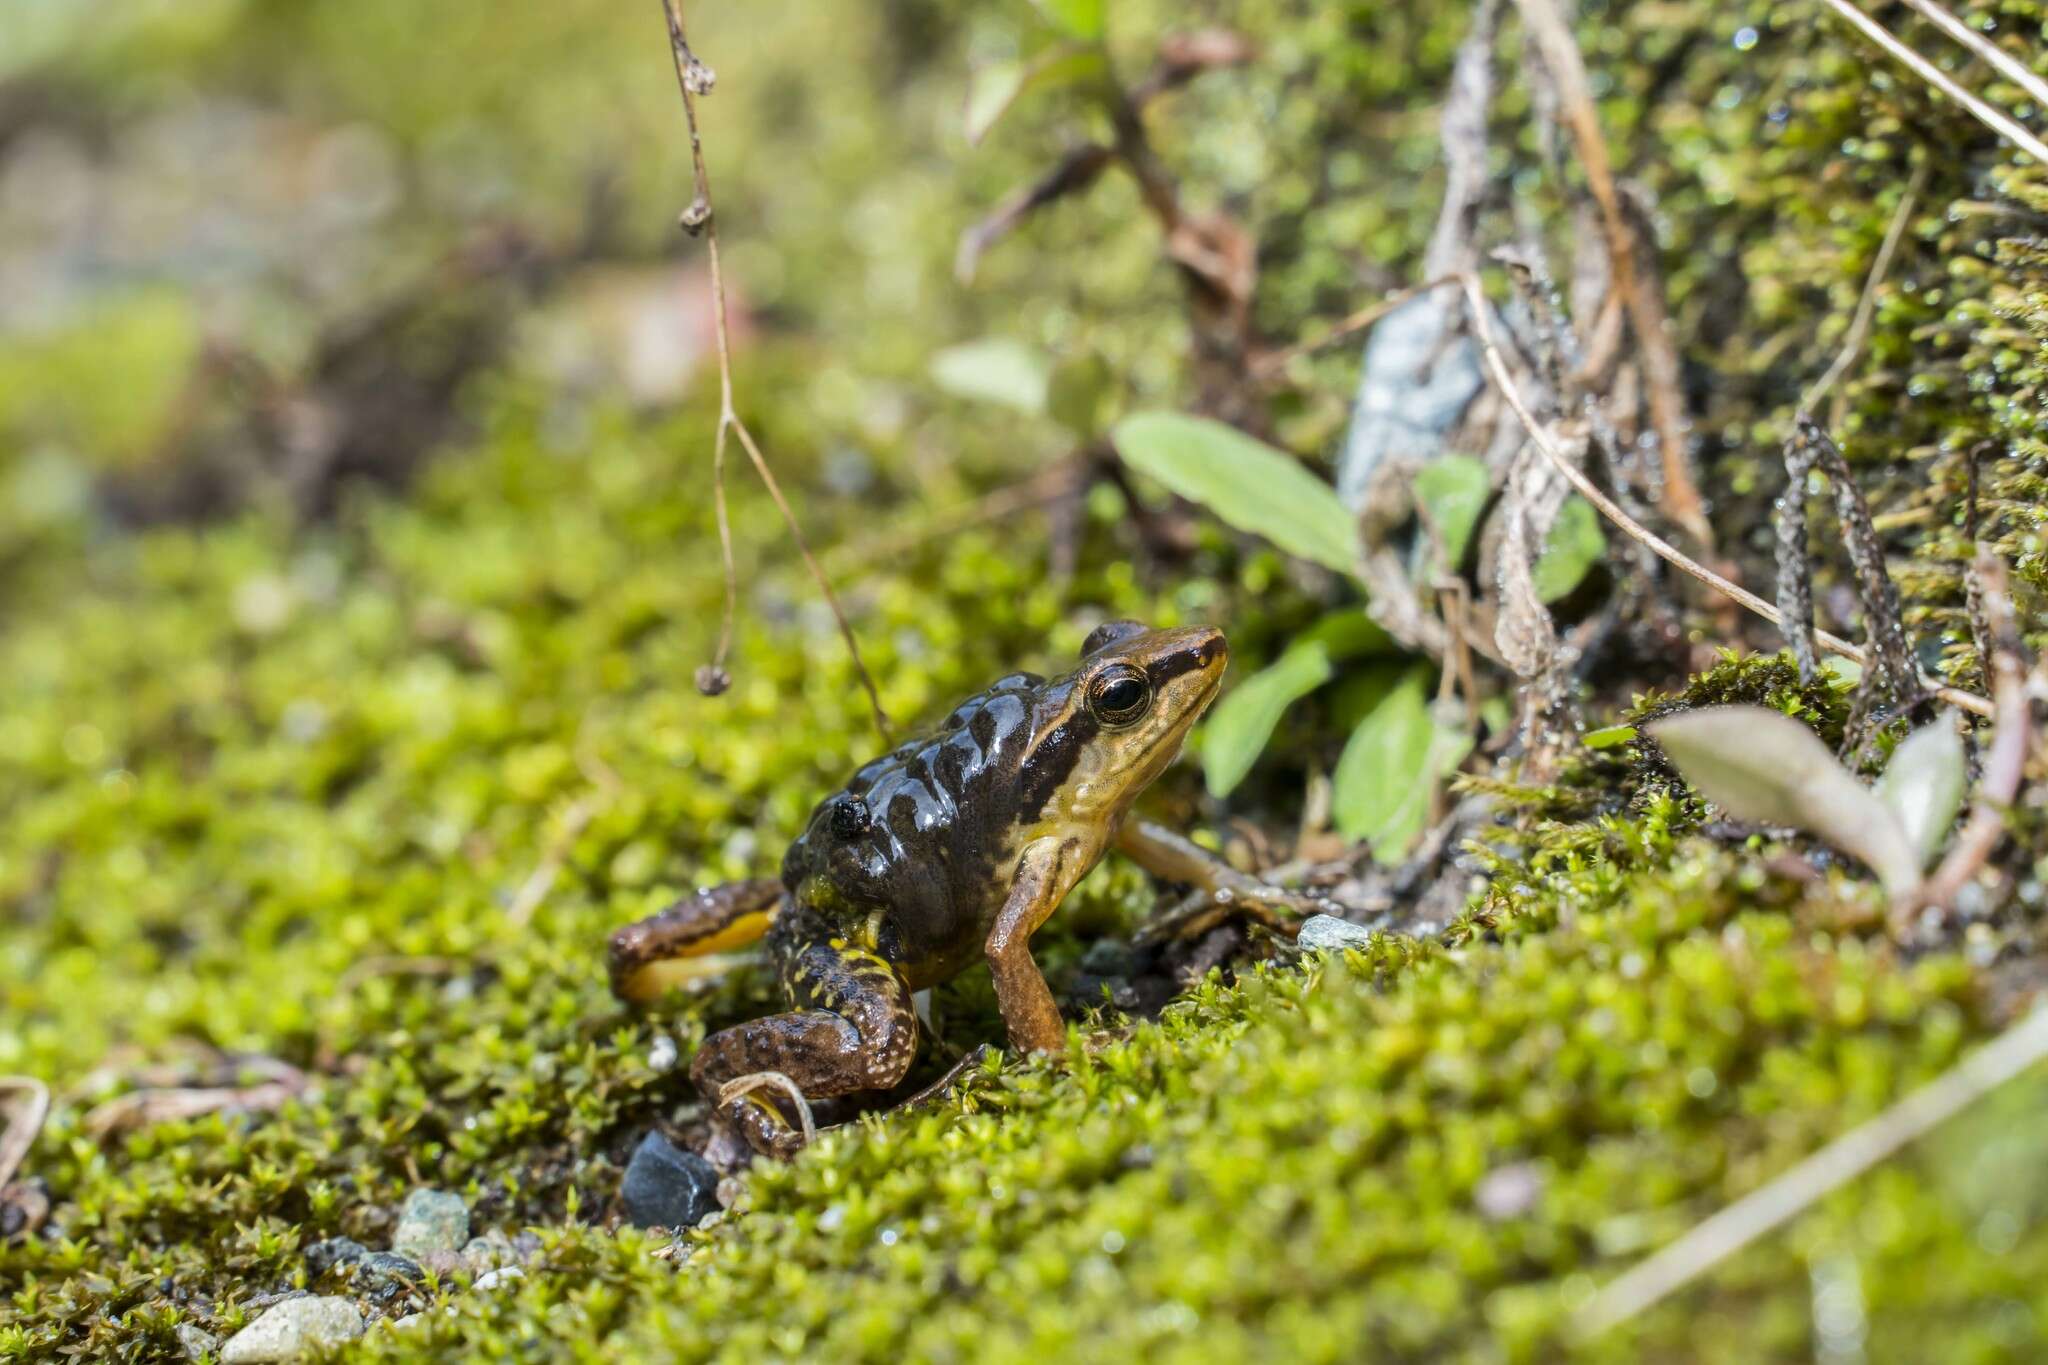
1082 19
1575 545
1245 719
1390 768
1246 483
994 370
1611 737
1769 769
994 89
1243 722
1924 783
1452 492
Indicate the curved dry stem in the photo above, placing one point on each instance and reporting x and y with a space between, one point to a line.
1991 118
2005 762
1709 1243
1866 305
746 1085
1504 381
1998 57
25 1126
692 78
1646 312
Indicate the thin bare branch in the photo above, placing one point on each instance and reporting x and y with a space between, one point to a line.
2000 59
1748 1218
1271 362
693 78
1075 171
23 1129
1994 119
2006 762
1866 306
1647 317
1504 381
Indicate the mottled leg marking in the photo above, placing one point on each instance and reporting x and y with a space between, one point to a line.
859 1033
1173 858
654 954
1046 871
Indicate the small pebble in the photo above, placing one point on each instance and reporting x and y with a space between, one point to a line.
431 1220
198 1343
1328 934
661 1053
293 1328
489 1251
387 1276
667 1187
322 1257
497 1279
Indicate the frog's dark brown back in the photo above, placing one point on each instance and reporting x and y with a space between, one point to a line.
919 831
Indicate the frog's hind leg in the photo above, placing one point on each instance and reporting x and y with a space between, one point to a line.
854 1029
652 955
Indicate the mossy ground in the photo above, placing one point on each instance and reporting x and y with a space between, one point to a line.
277 790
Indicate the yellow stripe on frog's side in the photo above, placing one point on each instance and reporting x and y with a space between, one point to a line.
738 934
671 973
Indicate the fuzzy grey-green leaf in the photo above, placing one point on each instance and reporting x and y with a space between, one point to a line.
1769 769
1924 784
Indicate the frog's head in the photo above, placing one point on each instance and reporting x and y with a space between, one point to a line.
1104 731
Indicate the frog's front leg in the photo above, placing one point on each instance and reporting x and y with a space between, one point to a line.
855 1029
1174 858
1046 871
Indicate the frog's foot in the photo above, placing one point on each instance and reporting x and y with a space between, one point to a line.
1221 892
863 1036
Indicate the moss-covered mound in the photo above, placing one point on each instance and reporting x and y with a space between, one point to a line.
334 814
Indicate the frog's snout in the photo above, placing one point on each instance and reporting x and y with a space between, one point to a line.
1213 650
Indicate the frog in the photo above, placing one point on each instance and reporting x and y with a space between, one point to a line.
949 850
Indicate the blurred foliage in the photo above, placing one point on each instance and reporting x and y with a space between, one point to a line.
244 764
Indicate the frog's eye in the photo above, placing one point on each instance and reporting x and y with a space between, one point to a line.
1118 696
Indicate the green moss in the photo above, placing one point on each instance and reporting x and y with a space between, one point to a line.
277 789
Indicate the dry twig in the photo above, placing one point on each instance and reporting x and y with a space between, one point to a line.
1994 119
694 78
1866 305
25 1126
1504 381
1735 1227
2005 763
1646 311
2006 66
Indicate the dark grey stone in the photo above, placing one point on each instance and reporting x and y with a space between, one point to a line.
667 1187
322 1257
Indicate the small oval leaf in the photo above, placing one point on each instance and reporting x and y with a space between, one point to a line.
1242 724
1246 483
1390 768
1768 769
994 370
1924 785
1574 546
1245 719
1452 492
